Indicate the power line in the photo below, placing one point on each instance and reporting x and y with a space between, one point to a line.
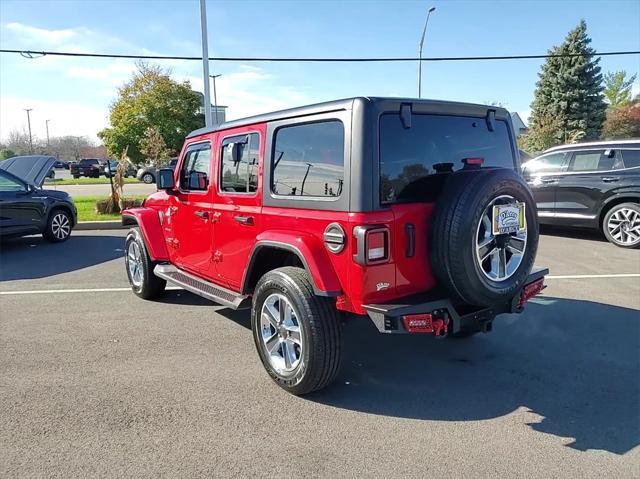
33 54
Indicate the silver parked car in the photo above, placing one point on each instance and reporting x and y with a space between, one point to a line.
148 174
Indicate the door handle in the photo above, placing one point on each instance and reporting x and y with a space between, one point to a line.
203 214
548 181
245 220
610 179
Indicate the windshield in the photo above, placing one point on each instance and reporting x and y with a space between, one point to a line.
435 142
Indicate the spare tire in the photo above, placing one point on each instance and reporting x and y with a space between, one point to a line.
475 265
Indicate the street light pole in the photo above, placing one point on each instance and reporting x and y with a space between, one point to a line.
424 31
215 97
205 63
46 122
29 123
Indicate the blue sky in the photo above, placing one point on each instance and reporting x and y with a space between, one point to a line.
75 93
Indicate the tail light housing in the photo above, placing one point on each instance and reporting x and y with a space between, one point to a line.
371 245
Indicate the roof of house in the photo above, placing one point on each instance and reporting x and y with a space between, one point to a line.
518 124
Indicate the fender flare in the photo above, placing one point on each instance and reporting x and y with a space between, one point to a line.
148 221
308 249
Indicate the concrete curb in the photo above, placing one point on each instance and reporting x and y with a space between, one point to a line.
99 225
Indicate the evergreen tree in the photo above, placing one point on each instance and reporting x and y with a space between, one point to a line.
570 90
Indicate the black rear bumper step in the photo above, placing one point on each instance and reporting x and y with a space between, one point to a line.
201 287
388 317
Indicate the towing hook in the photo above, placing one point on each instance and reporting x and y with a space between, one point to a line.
440 328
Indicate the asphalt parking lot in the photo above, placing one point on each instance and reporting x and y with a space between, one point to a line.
95 381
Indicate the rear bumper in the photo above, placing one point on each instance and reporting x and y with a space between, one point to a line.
388 318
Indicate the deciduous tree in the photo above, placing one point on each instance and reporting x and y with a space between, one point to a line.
618 88
151 99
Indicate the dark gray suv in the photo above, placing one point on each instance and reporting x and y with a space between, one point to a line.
592 185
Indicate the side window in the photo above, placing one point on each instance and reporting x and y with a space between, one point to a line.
594 160
308 160
551 163
8 184
194 172
631 158
239 164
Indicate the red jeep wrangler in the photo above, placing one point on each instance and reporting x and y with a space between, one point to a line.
411 212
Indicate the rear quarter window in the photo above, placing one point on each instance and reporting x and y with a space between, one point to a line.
631 158
308 160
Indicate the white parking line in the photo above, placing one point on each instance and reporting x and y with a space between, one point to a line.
173 288
594 276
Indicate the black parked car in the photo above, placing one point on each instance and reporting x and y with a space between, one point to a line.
594 185
89 167
26 208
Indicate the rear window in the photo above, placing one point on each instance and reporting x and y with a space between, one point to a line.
88 162
631 158
435 141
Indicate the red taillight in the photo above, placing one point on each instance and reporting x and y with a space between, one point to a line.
371 245
418 323
477 161
531 290
376 245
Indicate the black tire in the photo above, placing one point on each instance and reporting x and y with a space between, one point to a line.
617 209
466 196
150 286
59 226
319 327
148 178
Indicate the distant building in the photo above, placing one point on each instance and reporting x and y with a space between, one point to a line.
518 125
218 115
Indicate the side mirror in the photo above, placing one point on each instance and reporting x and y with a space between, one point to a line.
166 180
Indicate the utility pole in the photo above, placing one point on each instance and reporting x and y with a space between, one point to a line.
46 122
205 63
304 180
424 31
29 123
215 97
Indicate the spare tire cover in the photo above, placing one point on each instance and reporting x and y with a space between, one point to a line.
478 259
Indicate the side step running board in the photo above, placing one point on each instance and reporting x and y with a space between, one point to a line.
201 287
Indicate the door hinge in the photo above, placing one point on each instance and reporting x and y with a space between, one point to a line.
216 257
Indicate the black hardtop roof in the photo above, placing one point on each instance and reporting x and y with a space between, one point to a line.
334 105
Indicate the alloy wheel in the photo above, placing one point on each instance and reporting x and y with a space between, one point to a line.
134 264
498 256
60 226
624 226
281 334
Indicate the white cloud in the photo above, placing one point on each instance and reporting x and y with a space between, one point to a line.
92 83
34 35
66 118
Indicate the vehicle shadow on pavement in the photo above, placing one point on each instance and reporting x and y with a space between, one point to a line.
576 364
576 233
32 257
